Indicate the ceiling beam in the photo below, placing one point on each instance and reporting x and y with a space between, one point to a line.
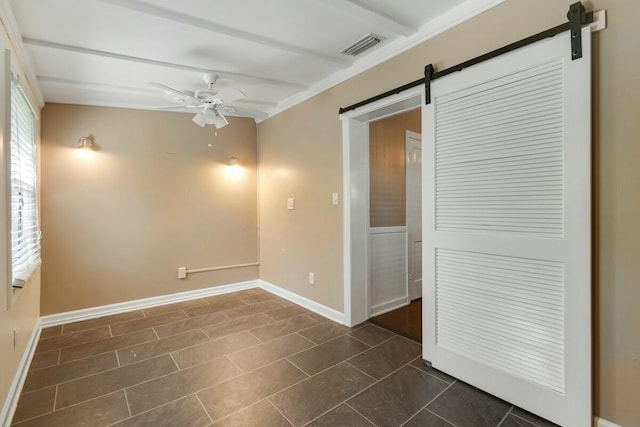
141 60
193 21
131 89
359 10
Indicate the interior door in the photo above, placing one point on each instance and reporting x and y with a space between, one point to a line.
413 168
507 228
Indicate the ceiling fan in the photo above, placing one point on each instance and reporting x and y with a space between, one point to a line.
210 102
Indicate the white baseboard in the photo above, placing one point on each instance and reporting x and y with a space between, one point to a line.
123 307
11 401
388 306
601 422
318 308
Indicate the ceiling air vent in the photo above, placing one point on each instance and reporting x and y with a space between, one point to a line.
365 42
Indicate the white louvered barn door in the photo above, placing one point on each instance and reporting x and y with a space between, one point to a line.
506 215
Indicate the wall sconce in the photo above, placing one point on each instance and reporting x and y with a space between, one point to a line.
86 143
233 170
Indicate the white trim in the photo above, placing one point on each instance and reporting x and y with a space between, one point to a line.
447 20
601 422
318 308
123 307
388 230
355 173
13 395
385 307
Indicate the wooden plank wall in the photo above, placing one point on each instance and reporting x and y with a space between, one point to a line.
387 168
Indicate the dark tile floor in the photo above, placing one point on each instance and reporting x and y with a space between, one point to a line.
405 321
243 359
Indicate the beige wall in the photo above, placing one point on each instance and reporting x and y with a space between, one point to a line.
300 154
387 181
118 222
19 309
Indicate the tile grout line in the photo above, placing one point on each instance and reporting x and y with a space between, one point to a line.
359 413
126 399
45 340
174 361
363 342
278 410
55 399
430 402
303 371
524 419
203 408
361 371
505 416
431 375
118 359
298 331
301 336
226 356
439 416
184 331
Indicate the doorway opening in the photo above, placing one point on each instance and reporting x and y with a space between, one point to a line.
395 233
373 226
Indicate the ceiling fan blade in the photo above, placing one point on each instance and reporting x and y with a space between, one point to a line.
181 93
229 95
227 109
175 107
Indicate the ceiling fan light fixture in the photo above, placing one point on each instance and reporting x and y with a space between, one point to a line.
200 119
220 120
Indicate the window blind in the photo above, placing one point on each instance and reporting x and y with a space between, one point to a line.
25 232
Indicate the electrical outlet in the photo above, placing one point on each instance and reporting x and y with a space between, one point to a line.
312 278
182 272
291 204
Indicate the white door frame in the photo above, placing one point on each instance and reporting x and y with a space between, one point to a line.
355 214
410 244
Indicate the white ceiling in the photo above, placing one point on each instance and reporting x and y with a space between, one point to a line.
278 52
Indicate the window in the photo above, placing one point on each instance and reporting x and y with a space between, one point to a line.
25 233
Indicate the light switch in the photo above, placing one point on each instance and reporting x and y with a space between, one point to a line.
334 198
290 203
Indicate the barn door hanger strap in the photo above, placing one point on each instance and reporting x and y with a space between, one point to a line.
428 73
578 17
